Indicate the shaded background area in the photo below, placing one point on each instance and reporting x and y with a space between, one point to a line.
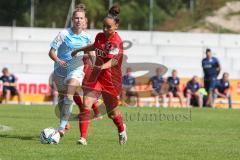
167 15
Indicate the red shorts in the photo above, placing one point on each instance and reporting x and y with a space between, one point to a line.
110 100
102 82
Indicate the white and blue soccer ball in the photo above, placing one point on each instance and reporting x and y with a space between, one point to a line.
49 136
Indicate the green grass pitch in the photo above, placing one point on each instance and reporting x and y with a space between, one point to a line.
153 133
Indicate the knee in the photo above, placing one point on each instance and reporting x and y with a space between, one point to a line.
60 97
179 94
112 114
188 95
87 103
68 99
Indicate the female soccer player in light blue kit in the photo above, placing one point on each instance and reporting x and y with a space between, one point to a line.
68 71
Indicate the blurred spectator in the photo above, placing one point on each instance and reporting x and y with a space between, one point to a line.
174 89
192 92
9 86
211 68
54 91
223 89
129 89
156 82
164 91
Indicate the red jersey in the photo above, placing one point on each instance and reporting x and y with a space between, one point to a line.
87 64
107 80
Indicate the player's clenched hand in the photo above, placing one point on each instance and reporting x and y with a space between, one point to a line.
74 53
62 63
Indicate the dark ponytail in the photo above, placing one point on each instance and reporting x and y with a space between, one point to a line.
113 12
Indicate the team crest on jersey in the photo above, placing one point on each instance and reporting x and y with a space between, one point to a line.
195 86
226 84
111 48
108 46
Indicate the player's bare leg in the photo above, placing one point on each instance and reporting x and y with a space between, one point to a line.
96 110
188 99
210 98
229 97
137 99
170 97
7 96
157 101
180 97
78 99
19 96
163 97
156 98
199 99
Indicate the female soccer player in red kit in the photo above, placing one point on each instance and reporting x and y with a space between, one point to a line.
87 68
106 77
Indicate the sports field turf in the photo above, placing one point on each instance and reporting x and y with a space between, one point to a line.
152 134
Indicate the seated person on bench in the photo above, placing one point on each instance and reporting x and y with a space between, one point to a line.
129 90
194 97
222 89
9 86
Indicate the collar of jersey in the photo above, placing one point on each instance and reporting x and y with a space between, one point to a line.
111 37
74 34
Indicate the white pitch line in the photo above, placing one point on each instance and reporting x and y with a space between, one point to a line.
5 128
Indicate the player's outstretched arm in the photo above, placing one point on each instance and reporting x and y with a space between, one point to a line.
92 57
85 49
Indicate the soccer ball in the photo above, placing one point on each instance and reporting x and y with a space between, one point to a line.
49 136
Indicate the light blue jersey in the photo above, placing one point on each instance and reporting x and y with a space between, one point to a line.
66 42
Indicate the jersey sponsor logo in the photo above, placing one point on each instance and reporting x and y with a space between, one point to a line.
100 53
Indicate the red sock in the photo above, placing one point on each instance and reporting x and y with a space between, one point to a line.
84 121
119 123
95 109
77 100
